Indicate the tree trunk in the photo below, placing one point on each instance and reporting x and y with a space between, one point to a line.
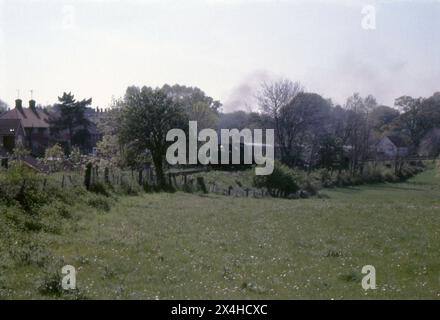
70 138
158 165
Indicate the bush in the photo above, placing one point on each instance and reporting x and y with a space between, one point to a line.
310 186
99 188
281 183
379 174
326 178
99 203
128 189
51 284
20 186
374 175
54 158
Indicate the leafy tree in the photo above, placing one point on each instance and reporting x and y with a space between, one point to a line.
419 115
234 120
411 118
240 120
109 121
3 106
54 157
383 116
109 149
71 117
196 104
75 157
301 122
330 153
20 152
204 115
191 96
147 116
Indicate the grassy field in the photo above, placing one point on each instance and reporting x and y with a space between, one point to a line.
188 246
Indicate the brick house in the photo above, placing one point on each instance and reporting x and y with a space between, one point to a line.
29 126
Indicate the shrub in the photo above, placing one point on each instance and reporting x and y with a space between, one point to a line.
128 189
201 184
311 187
51 284
99 188
20 186
54 157
281 183
326 178
99 203
374 175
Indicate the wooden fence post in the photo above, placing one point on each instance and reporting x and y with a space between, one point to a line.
140 178
88 176
106 175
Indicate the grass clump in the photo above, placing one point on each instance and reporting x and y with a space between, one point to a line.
100 203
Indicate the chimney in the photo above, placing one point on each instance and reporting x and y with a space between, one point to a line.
19 104
33 105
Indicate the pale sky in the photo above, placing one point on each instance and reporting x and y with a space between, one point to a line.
96 48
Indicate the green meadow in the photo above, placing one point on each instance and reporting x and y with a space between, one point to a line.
191 246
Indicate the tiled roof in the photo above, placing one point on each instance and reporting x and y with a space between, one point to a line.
398 141
29 118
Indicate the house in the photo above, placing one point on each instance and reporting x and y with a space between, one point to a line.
11 134
29 126
32 127
392 147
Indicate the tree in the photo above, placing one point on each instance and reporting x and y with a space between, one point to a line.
419 115
54 157
204 115
410 119
383 116
110 150
147 116
109 121
301 124
272 97
110 147
71 117
330 153
190 96
234 120
20 152
3 106
75 157
196 104
358 109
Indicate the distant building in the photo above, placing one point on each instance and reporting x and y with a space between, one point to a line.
392 147
29 126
